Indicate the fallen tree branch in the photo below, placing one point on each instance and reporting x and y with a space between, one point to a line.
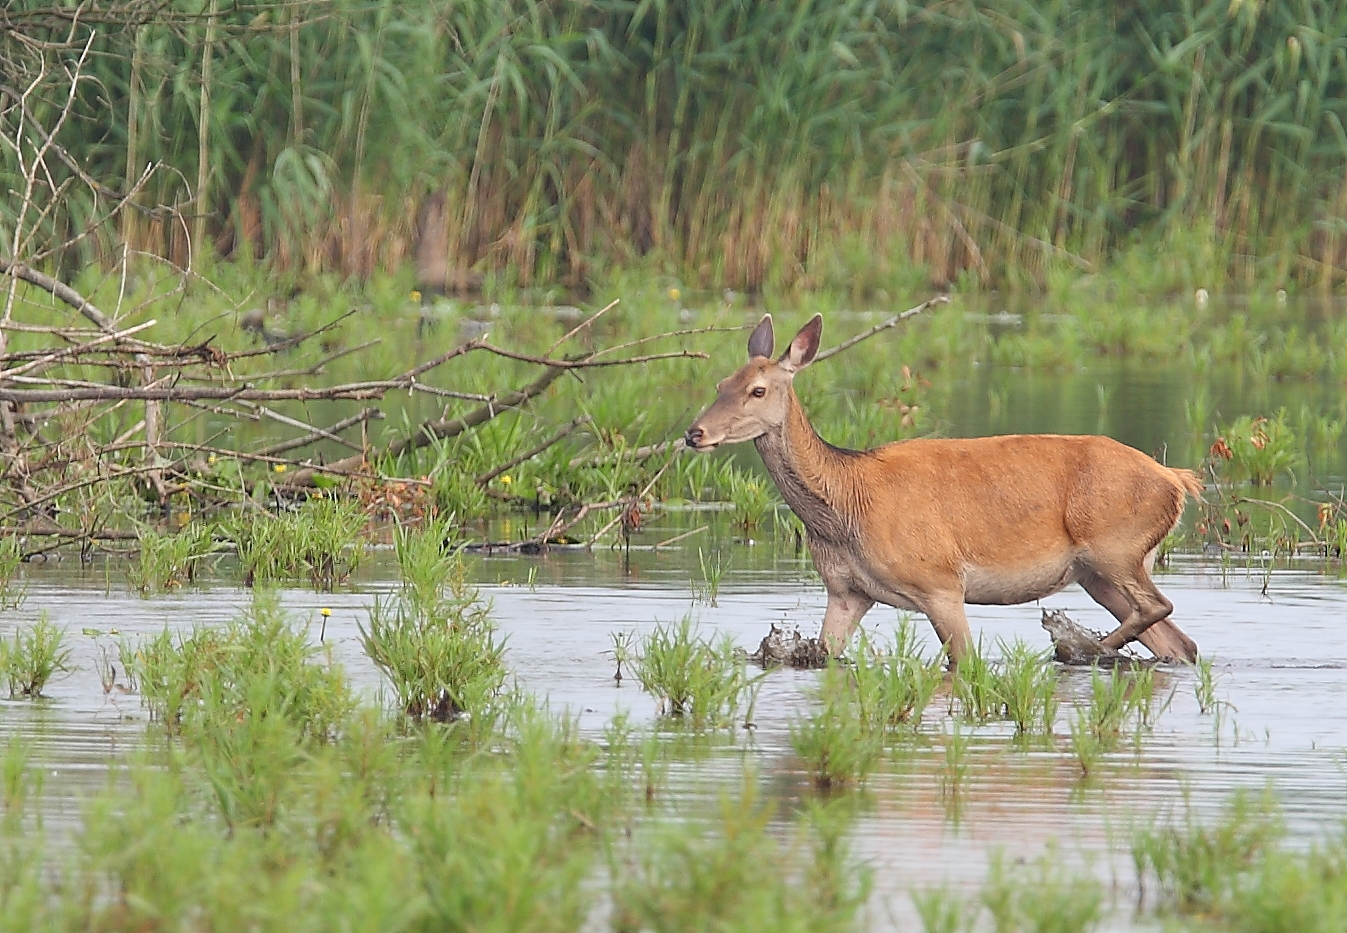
296 423
590 362
71 352
318 434
638 453
443 429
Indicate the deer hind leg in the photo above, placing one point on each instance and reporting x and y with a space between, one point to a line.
1164 639
947 617
1145 604
841 618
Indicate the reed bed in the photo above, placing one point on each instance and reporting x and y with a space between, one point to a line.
844 145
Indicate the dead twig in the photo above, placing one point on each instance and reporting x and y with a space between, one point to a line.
318 434
883 326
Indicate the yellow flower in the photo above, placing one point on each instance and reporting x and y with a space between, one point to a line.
415 295
325 611
279 468
506 480
211 458
674 294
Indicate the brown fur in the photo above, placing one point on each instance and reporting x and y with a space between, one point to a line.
931 524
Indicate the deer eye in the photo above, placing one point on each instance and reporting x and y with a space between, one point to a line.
759 391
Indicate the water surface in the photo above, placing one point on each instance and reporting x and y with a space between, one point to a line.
1282 659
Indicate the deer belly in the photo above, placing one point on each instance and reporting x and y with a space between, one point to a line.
1006 586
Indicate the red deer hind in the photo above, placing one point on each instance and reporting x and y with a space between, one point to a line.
930 525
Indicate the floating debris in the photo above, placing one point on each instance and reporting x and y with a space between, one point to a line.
782 648
1075 644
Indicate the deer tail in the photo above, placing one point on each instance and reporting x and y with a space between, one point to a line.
1191 482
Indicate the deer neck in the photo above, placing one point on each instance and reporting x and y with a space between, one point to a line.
816 479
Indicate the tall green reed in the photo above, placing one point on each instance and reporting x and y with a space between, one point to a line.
747 144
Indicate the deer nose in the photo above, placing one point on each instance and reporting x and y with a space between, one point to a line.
693 437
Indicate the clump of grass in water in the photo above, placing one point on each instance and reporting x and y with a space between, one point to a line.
1020 687
1204 686
895 684
736 875
977 687
955 773
1122 696
1042 896
752 496
434 639
1028 688
838 744
168 561
321 540
19 780
942 911
1197 868
11 557
35 655
700 681
212 674
1259 449
713 569
508 848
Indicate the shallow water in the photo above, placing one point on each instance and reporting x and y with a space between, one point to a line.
1282 660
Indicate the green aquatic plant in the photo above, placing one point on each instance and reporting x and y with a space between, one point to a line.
1198 866
12 595
894 684
167 561
713 571
753 496
322 540
838 744
1088 745
738 874
35 654
977 687
1042 897
1259 449
434 639
941 910
954 775
698 680
1204 685
1028 687
1122 698
20 780
212 675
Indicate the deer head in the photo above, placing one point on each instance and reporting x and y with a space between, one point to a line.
756 399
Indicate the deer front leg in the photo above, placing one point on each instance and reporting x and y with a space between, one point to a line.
844 611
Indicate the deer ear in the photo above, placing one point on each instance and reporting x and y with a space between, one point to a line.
801 351
761 341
